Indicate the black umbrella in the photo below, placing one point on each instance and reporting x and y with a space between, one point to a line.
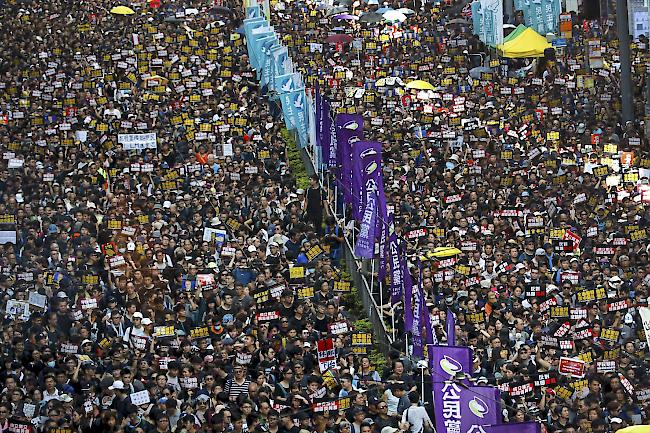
220 10
174 20
371 17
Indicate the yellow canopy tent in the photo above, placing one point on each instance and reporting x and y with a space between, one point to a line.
636 429
528 43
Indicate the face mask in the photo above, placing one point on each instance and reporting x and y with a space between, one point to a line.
51 363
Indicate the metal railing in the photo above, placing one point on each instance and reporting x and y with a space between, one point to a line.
365 286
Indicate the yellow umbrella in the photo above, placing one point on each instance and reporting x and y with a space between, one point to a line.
635 429
157 78
420 85
442 252
122 10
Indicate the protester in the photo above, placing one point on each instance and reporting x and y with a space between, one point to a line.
167 288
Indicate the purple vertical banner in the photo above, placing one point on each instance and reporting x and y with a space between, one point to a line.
362 152
329 140
366 157
459 407
431 338
383 243
416 329
396 268
515 427
450 328
349 130
408 293
318 104
444 363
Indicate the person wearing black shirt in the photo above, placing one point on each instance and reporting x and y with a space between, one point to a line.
319 319
315 205
287 306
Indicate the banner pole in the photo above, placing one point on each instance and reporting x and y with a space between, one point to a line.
372 276
381 297
392 316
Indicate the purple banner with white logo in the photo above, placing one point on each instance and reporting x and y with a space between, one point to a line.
462 408
396 268
329 136
447 361
349 130
366 157
515 427
457 405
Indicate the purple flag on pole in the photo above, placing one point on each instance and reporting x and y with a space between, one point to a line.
367 162
447 361
515 427
450 327
408 296
383 243
318 103
329 136
416 329
462 408
396 268
349 130
431 336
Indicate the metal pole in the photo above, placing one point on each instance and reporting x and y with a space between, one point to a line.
392 317
627 112
422 367
381 299
372 277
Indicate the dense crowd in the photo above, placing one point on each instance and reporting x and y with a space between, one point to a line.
186 286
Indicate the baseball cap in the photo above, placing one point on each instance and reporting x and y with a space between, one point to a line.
138 315
118 384
146 321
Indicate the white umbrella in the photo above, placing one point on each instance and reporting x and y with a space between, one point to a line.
394 16
406 11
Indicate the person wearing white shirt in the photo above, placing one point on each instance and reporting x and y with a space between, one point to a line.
417 415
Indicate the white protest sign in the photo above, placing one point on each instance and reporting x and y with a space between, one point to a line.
37 299
18 309
137 141
140 397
